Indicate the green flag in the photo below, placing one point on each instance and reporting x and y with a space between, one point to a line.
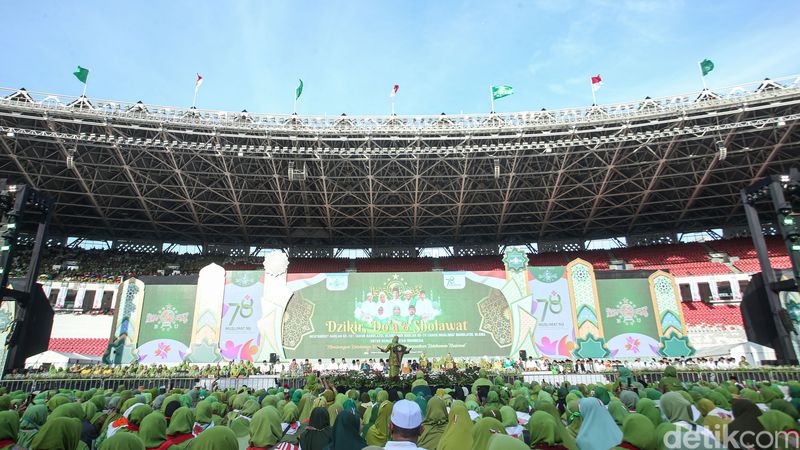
81 74
501 91
299 90
706 66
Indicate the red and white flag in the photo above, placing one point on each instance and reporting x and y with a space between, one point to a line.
395 88
596 82
198 83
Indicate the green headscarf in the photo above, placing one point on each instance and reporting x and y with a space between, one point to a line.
648 408
215 438
60 433
53 403
181 422
296 396
265 429
31 421
602 393
371 415
676 408
434 424
68 410
639 431
574 418
89 410
483 430
719 400
290 413
241 425
138 414
345 430
775 421
203 412
652 394
458 433
305 407
508 417
617 411
785 407
629 399
503 442
520 404
751 395
542 428
153 430
9 426
378 433
122 441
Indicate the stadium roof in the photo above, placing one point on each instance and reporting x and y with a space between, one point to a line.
134 171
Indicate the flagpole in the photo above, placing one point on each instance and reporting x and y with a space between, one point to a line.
594 96
294 106
702 76
392 105
194 99
491 96
85 83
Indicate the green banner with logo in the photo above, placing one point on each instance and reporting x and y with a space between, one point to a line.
350 315
165 329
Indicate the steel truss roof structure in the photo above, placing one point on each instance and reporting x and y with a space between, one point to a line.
133 171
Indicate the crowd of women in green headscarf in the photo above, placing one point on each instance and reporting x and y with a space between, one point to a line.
493 415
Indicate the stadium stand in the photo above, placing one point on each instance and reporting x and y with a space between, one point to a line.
90 346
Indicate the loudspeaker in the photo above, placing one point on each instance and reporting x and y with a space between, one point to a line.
273 358
31 335
523 355
756 314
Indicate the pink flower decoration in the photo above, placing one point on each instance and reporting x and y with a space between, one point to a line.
632 344
162 351
248 351
230 351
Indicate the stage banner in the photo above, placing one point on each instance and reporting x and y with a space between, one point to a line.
555 330
630 325
349 315
239 337
165 328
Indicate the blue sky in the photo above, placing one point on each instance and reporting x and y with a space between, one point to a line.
443 54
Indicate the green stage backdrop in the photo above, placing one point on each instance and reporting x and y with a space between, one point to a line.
349 315
165 329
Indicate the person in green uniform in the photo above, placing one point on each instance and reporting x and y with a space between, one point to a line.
396 352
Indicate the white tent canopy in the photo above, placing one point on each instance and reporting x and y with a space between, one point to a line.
60 359
752 352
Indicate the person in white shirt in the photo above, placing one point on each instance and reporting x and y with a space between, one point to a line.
405 427
332 366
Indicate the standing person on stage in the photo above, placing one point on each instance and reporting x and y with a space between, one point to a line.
396 352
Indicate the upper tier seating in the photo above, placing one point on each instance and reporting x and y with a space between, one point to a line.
698 313
83 346
394 264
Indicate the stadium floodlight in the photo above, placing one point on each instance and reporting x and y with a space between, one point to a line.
723 151
240 153
10 134
497 168
781 123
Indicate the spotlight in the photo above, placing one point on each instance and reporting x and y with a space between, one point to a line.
497 168
723 151
781 123
10 134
